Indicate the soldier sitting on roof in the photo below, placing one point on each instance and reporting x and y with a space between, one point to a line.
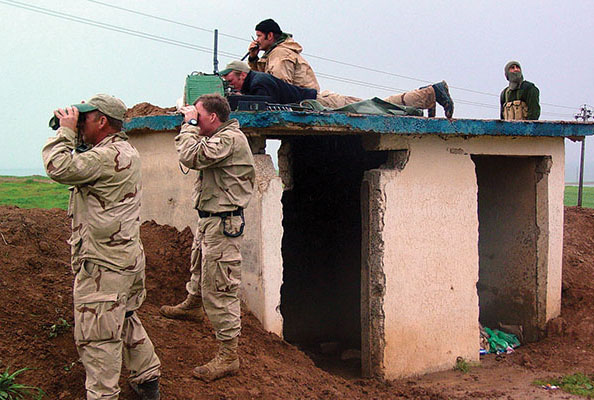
282 56
248 82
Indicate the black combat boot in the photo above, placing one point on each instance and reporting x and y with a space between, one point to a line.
148 390
442 97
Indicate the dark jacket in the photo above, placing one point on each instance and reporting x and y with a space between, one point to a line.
528 93
281 92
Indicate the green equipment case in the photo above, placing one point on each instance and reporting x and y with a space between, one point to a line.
198 84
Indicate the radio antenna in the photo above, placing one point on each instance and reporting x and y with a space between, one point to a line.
215 56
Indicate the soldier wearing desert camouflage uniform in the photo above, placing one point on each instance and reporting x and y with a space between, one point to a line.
215 146
107 254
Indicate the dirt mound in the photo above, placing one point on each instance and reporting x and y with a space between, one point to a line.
145 109
570 340
36 284
578 262
36 281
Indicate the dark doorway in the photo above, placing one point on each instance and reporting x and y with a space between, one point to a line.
513 233
321 247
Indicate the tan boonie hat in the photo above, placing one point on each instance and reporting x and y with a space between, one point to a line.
235 66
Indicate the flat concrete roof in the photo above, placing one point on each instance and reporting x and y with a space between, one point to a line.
289 123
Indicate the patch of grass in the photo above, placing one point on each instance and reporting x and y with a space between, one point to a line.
578 384
33 192
58 328
462 365
68 367
11 390
571 195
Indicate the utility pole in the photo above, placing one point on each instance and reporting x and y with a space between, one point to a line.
584 114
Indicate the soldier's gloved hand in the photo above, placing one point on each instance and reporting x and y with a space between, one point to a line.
68 117
189 113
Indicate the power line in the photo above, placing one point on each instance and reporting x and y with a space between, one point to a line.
392 90
165 19
178 43
359 83
110 27
306 54
310 55
554 105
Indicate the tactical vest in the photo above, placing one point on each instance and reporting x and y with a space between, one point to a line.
514 110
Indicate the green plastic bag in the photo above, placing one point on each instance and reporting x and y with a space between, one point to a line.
501 341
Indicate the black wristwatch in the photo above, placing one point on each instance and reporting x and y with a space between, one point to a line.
193 122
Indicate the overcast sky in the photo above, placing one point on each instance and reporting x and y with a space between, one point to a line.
50 60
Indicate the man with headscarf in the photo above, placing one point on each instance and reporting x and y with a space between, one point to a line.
282 56
520 100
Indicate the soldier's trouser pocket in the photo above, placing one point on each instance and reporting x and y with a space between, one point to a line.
227 276
98 315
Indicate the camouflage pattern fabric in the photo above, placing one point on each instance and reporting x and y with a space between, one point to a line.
221 274
104 199
193 285
226 165
107 258
423 98
225 182
103 334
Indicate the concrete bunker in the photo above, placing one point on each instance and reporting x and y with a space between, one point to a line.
357 250
321 245
513 234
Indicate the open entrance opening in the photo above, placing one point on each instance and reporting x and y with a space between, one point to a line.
321 247
513 240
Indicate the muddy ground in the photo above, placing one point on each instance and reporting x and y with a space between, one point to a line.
35 288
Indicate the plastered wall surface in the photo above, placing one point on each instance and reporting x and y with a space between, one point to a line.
431 247
167 200
535 146
262 260
431 233
430 262
166 197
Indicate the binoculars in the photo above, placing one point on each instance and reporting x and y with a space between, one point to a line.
82 108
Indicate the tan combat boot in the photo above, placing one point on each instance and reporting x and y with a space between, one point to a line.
190 309
225 363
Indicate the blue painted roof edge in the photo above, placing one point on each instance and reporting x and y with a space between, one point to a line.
359 123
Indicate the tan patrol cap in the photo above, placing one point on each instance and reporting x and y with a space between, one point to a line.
108 105
235 66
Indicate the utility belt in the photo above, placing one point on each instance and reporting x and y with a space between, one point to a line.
224 215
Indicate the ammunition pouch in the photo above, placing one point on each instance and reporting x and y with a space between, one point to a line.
515 110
